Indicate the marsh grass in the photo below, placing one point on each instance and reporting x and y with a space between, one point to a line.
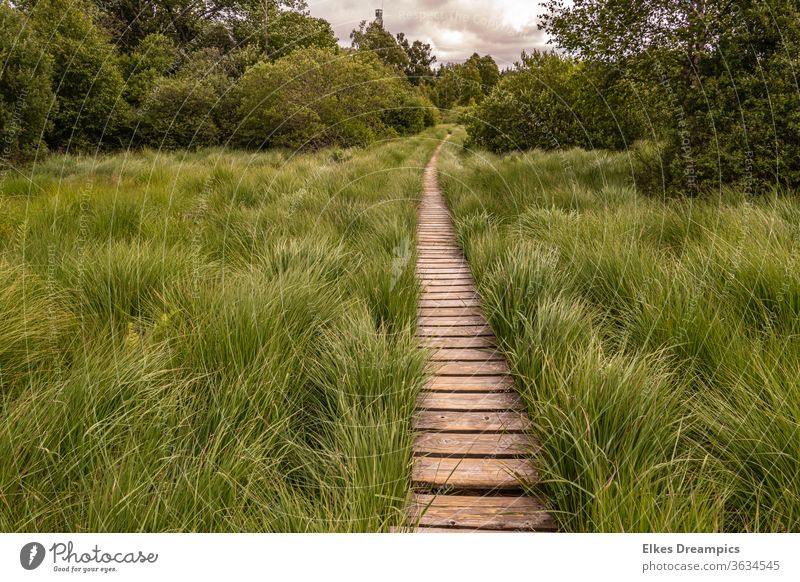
655 342
209 341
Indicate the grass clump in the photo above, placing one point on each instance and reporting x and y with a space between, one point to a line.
210 341
655 342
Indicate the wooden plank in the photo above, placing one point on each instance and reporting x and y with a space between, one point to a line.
443 269
470 295
472 474
457 342
460 311
508 421
475 445
465 355
449 303
455 321
451 530
454 331
470 384
471 402
429 282
490 368
485 512
454 288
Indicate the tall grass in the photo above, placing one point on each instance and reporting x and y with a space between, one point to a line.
655 342
211 341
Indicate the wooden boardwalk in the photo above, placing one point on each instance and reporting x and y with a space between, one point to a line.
471 448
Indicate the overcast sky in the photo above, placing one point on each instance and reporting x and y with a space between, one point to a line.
455 28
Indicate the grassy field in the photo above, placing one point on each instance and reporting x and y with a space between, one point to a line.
211 341
223 341
655 342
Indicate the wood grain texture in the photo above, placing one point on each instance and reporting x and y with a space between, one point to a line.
472 474
470 402
485 512
467 445
465 355
455 421
469 384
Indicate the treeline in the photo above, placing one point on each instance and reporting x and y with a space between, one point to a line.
80 76
714 85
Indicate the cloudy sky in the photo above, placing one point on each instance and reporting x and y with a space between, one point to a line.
455 28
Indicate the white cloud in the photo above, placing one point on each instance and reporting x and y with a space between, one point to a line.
455 28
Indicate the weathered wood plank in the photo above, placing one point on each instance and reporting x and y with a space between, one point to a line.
489 368
449 303
460 311
472 402
472 474
465 355
454 331
469 384
457 342
455 321
475 445
483 512
471 421
450 296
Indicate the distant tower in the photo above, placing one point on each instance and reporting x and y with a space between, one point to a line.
379 16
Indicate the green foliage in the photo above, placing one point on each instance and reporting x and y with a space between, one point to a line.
25 90
99 75
465 84
86 74
720 83
552 102
420 58
291 31
179 113
153 58
314 98
373 38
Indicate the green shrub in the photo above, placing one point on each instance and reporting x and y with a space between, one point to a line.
553 102
25 92
179 112
314 98
87 75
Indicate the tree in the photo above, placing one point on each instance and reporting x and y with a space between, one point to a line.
722 72
292 30
152 59
375 39
86 74
489 72
195 24
314 98
179 112
420 60
25 92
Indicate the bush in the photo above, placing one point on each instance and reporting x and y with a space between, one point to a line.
25 93
179 113
552 102
151 59
315 97
87 75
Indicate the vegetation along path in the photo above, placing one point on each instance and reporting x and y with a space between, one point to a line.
472 452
